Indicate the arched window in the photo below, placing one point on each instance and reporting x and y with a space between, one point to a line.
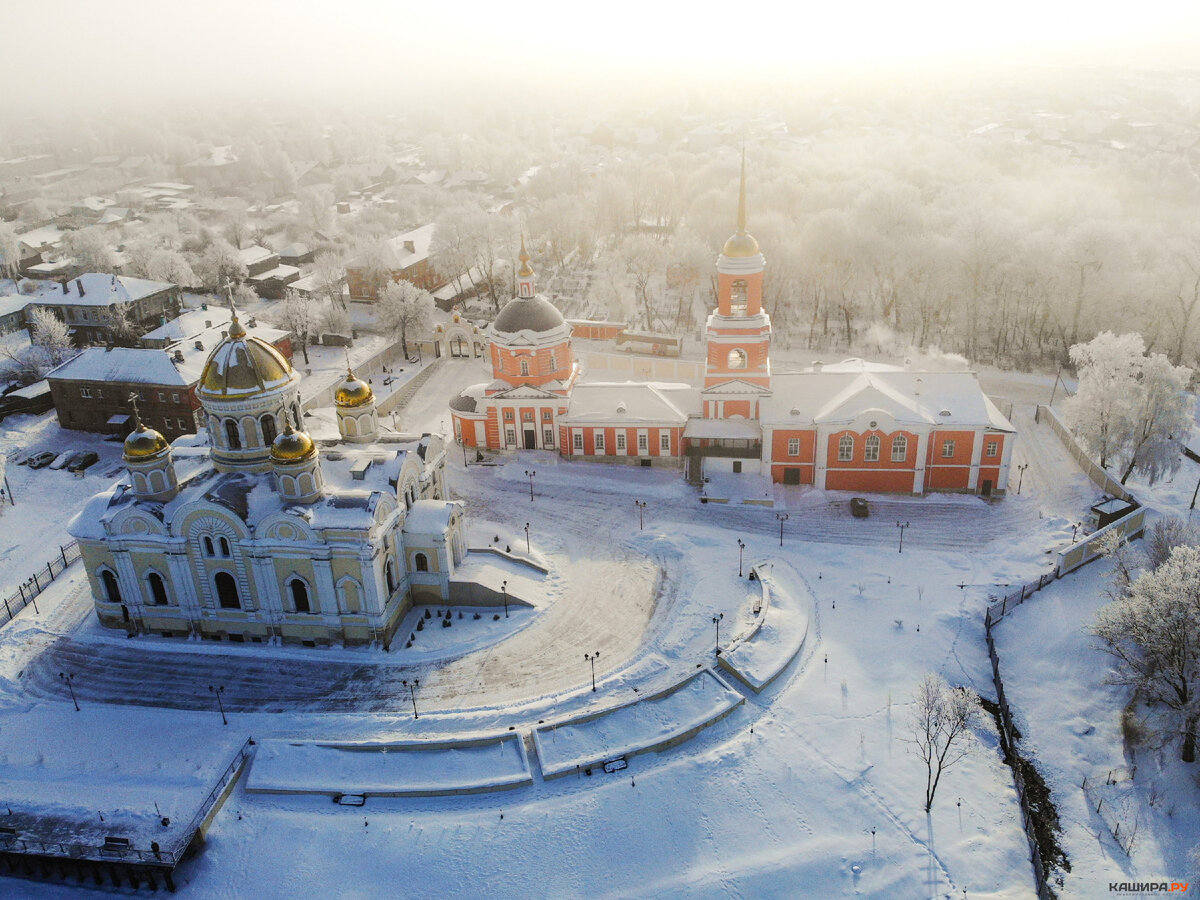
845 448
232 436
299 595
227 592
871 448
224 546
390 576
421 561
112 590
158 481
250 430
208 546
158 590
524 367
305 483
351 426
139 482
737 358
899 448
737 298
267 421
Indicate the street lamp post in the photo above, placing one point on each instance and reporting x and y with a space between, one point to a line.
412 692
1074 530
504 593
218 691
741 549
902 526
68 678
527 550
717 621
1021 478
782 517
529 473
592 657
641 507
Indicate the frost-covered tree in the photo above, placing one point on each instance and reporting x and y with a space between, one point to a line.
49 345
941 718
10 252
1153 631
1165 535
404 307
91 249
1130 409
295 314
1156 417
218 265
330 275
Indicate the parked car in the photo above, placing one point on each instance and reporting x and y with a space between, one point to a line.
82 460
43 459
60 461
859 507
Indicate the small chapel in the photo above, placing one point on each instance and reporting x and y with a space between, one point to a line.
253 533
852 426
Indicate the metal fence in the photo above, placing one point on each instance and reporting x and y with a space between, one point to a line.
28 592
1106 482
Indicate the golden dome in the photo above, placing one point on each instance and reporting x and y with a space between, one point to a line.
740 245
292 445
353 392
525 271
144 442
240 366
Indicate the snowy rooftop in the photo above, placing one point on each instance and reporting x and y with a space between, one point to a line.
419 239
124 364
633 402
190 323
844 392
100 290
11 303
255 254
279 272
429 516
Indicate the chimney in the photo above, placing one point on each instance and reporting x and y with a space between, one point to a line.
178 356
66 288
199 345
208 323
79 284
251 322
410 246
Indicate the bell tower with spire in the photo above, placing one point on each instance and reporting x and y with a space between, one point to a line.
739 331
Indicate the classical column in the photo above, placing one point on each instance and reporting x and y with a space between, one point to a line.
976 456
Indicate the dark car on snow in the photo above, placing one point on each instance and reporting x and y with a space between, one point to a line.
859 507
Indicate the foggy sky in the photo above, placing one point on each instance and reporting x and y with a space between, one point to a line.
75 52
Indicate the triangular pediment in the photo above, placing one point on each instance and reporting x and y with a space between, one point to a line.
864 395
725 388
526 392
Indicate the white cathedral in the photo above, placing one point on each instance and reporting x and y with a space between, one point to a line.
254 535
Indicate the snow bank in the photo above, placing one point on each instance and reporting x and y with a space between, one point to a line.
652 723
779 633
406 769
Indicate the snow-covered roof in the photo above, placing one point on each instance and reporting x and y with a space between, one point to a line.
11 303
847 391
46 236
254 254
429 516
124 364
191 322
420 240
279 273
100 290
632 402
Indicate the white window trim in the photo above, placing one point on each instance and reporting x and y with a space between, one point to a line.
793 448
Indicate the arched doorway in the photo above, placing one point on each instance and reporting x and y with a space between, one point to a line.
227 592
299 595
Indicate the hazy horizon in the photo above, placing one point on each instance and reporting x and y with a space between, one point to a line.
132 51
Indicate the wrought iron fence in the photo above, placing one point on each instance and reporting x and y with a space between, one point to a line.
28 592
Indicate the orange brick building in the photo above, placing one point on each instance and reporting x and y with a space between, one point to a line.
852 426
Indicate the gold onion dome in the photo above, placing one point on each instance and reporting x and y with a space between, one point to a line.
144 442
292 445
526 270
353 392
740 245
241 366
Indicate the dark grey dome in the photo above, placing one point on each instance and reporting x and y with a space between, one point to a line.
463 403
533 314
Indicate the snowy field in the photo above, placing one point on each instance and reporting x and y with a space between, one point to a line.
807 789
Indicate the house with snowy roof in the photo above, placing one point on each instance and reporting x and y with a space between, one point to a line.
408 258
88 304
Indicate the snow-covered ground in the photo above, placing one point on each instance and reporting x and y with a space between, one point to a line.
807 789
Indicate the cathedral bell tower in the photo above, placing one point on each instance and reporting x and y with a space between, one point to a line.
739 332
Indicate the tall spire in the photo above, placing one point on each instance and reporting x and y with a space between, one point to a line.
137 419
741 222
526 270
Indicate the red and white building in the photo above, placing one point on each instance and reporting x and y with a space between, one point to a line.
852 426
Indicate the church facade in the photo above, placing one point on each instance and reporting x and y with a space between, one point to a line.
853 426
252 534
